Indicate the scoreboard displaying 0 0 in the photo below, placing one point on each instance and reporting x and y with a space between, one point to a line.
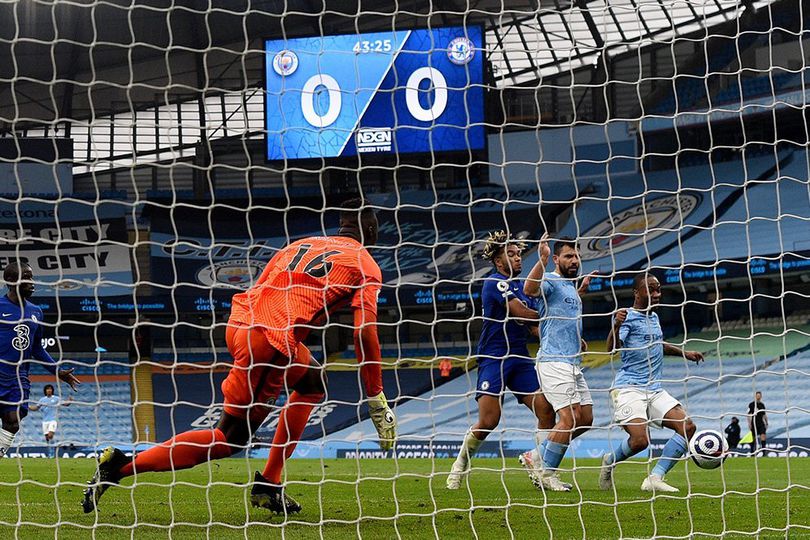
382 92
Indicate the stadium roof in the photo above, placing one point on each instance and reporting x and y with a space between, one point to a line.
82 59
563 35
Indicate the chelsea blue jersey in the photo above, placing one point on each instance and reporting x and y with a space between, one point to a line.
642 351
21 340
502 336
560 320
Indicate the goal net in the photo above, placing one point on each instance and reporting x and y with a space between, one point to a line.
155 156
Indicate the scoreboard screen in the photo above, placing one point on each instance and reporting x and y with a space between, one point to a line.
383 92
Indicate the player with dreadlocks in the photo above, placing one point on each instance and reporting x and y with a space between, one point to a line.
503 356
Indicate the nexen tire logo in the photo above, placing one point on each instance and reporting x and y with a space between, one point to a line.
638 225
373 140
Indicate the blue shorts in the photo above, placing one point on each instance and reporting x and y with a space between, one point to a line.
14 396
517 374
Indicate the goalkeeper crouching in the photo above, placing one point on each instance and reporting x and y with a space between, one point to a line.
298 290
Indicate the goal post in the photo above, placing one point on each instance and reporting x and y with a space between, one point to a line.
154 159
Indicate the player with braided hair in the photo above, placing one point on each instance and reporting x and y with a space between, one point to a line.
503 356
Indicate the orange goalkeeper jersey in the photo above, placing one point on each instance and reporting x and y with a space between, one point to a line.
305 282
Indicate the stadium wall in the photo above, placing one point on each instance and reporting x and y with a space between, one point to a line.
547 155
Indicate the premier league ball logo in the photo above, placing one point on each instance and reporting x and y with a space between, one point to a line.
285 63
460 51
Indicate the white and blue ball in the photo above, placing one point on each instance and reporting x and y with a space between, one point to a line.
708 449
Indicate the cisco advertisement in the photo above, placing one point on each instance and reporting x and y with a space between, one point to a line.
383 92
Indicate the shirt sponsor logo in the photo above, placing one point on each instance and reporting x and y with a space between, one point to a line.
23 339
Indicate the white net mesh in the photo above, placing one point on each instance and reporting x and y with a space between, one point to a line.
156 156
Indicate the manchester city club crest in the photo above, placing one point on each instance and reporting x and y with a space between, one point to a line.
638 224
460 51
239 273
627 410
285 63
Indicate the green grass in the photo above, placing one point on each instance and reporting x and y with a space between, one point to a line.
748 498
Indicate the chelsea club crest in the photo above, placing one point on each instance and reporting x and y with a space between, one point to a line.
460 51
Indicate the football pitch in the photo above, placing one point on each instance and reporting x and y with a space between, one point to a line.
748 498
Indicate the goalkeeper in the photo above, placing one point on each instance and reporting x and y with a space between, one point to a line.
298 290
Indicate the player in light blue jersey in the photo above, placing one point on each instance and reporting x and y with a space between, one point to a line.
20 343
503 355
48 404
637 395
560 355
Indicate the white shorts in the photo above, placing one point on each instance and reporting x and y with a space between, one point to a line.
48 427
633 403
563 384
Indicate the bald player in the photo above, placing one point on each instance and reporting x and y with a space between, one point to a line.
302 285
20 342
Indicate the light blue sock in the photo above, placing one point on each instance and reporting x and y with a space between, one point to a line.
622 452
675 448
552 453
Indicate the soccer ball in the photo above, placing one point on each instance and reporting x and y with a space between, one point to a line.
708 449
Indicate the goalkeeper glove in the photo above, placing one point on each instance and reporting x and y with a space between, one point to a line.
384 420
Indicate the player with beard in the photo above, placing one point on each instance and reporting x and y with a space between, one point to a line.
560 355
20 342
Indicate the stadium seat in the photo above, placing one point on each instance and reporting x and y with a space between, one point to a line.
101 413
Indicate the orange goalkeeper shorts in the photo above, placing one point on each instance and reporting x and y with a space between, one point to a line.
259 372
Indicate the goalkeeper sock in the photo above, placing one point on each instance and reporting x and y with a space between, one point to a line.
675 448
291 424
6 440
181 452
622 452
553 453
468 448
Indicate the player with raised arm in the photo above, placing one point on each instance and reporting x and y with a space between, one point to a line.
503 355
49 404
638 397
560 354
302 285
20 343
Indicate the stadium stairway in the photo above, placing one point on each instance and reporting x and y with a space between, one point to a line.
778 364
101 411
143 413
768 217
99 415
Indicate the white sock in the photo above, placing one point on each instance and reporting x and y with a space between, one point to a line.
6 440
539 438
468 448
